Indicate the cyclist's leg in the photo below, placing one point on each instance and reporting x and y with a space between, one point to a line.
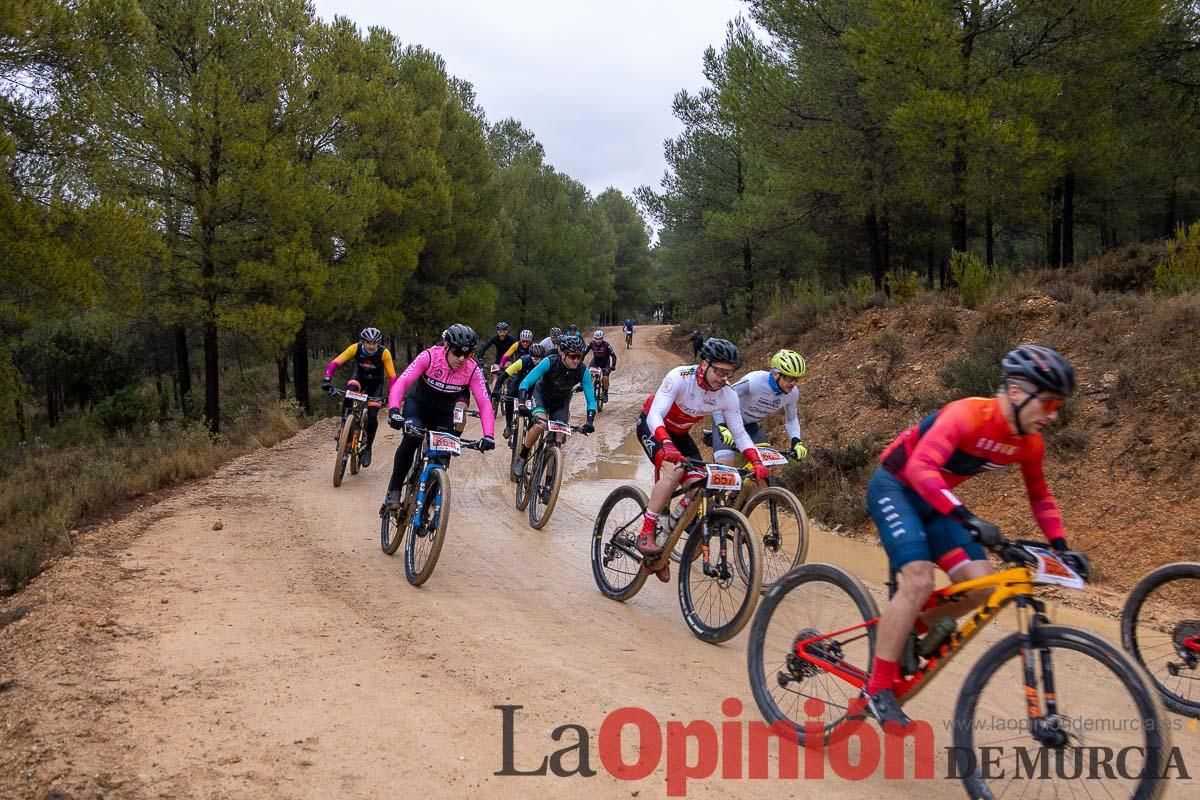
510 392
961 558
896 511
605 371
561 413
669 476
371 389
407 451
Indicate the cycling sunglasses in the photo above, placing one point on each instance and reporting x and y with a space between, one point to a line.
1051 403
461 351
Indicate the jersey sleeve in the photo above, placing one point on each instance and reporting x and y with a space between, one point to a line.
487 417
791 416
730 408
535 374
1041 501
505 358
407 378
513 368
345 356
388 367
664 398
923 471
589 391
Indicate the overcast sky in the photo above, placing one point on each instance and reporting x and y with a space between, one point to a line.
593 79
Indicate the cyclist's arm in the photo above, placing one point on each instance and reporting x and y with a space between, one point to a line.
389 368
741 389
511 351
923 470
589 391
732 412
483 348
791 418
660 406
535 375
612 357
487 417
513 368
345 356
407 378
1041 501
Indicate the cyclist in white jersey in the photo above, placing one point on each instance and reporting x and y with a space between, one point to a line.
760 394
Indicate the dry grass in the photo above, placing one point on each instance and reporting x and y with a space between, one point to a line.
45 492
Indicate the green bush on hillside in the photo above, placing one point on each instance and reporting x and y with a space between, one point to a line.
1181 271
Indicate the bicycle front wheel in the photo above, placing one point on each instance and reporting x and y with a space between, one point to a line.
1160 627
525 482
829 613
391 529
546 482
1102 705
345 446
718 597
425 540
616 562
781 524
355 441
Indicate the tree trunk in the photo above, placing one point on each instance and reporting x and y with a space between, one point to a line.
300 368
281 366
1055 251
51 402
183 370
990 237
958 199
19 413
929 268
872 223
748 269
1068 224
1172 218
212 371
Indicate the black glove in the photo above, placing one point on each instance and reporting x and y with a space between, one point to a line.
487 443
395 418
327 386
587 427
986 533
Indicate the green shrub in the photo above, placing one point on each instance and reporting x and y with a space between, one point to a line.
906 287
832 482
972 277
126 410
977 374
1181 271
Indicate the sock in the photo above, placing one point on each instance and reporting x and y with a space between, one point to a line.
884 675
648 523
524 452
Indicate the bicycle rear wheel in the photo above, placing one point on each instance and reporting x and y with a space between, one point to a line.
809 604
616 562
544 489
425 540
718 603
781 524
345 447
1160 627
1103 705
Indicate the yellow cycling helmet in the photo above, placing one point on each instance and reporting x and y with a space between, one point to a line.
789 363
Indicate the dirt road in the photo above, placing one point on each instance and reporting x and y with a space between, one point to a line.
283 655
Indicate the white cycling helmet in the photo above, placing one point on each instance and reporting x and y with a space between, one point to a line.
598 335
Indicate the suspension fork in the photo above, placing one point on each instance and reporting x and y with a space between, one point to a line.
1045 727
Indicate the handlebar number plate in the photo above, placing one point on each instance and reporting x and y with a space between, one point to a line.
554 426
443 443
1051 570
723 477
356 396
771 457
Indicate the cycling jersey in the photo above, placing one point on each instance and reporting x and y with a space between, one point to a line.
548 344
961 440
760 396
557 381
501 343
368 369
521 367
627 327
681 402
602 354
516 351
437 387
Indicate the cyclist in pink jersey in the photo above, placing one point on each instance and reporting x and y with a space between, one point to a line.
438 378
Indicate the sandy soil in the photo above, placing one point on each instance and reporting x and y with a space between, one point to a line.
284 656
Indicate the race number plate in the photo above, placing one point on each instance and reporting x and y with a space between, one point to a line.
356 396
443 443
558 427
1051 570
459 415
771 457
723 477
595 372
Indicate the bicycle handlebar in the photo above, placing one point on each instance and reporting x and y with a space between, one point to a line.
336 392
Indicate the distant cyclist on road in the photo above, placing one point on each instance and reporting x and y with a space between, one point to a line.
697 343
438 377
760 394
545 393
514 373
604 358
372 362
627 329
551 341
501 341
922 522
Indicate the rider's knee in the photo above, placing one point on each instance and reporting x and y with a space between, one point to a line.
916 581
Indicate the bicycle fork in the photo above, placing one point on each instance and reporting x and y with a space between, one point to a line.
1046 728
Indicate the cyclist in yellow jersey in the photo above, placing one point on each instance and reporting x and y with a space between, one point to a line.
372 362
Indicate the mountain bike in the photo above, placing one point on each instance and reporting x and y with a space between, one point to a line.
720 571
774 512
425 510
537 488
1160 627
352 438
497 385
1042 687
628 339
598 387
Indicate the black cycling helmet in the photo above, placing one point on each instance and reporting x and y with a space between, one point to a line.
720 350
501 326
461 336
536 350
571 343
371 335
572 329
1041 366
555 333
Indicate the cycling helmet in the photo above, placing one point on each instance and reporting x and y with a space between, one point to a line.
526 335
555 333
459 335
1041 366
720 350
571 343
371 335
789 363
537 351
501 326
572 329
598 335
